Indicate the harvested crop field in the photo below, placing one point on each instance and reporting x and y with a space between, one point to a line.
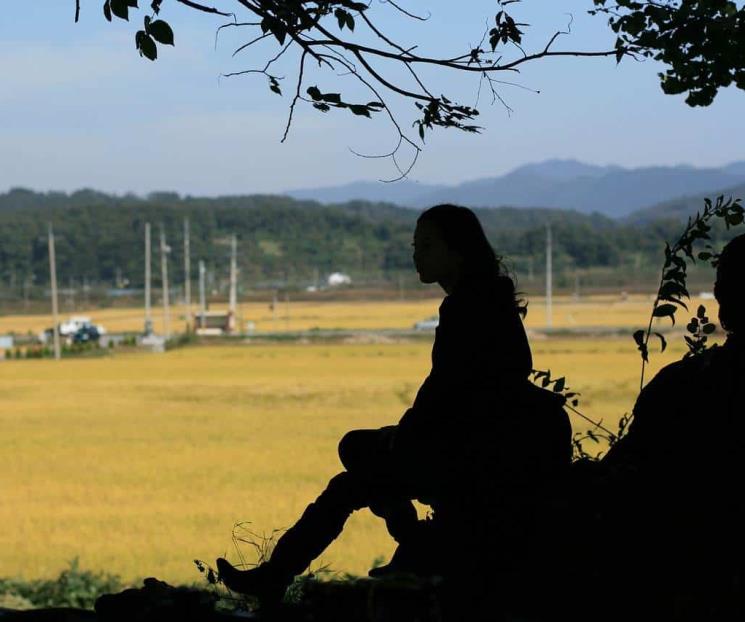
138 463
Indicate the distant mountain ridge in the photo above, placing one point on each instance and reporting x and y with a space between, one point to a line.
613 191
680 208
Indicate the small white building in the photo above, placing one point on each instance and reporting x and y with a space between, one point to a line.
335 279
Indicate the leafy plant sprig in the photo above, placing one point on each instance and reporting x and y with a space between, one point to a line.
596 433
699 328
672 289
669 300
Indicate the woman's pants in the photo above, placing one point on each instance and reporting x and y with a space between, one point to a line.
371 479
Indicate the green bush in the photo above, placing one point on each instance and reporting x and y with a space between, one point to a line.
181 341
72 588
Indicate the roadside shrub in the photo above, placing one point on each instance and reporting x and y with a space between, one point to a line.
72 588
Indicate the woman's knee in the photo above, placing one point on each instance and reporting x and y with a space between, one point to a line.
352 448
366 451
345 490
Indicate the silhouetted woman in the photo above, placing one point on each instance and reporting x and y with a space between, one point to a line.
446 450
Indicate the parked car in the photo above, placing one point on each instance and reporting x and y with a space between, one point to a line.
69 329
429 324
86 334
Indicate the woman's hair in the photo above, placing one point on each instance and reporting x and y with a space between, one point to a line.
730 286
462 232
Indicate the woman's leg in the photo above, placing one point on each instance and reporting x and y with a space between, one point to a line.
321 522
368 482
367 454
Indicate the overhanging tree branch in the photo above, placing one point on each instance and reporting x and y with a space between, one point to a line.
325 31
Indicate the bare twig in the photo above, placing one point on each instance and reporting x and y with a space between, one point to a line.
297 96
405 12
402 138
205 9
596 424
233 24
251 42
269 63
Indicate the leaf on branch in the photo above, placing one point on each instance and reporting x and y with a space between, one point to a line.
344 18
139 35
161 32
107 10
674 300
276 27
673 288
331 98
666 310
675 274
148 49
120 8
314 93
663 342
355 6
639 338
360 110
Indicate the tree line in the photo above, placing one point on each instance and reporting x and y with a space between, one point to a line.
100 237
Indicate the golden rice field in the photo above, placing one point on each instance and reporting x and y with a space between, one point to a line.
568 313
138 463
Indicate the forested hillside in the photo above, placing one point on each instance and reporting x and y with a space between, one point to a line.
680 208
100 237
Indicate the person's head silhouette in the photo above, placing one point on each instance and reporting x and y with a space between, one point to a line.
451 248
730 286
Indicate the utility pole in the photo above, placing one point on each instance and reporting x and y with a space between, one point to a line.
287 310
202 294
53 278
71 295
233 276
164 280
26 288
187 271
148 280
549 278
274 311
86 291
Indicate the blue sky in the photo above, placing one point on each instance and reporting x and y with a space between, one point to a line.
80 108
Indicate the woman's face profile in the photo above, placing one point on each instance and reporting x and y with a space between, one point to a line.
434 260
